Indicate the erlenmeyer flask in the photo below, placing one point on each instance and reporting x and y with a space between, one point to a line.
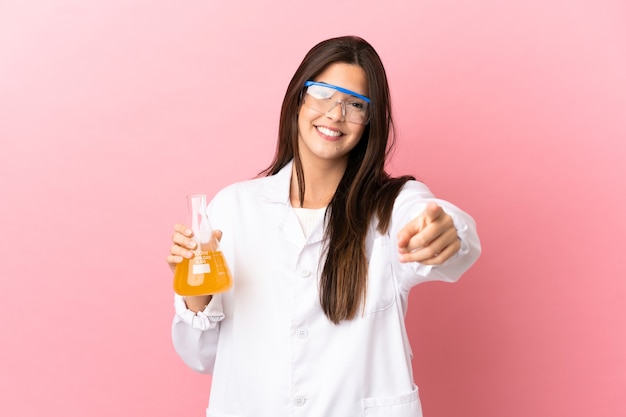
207 272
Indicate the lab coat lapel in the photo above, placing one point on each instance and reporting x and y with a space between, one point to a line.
276 192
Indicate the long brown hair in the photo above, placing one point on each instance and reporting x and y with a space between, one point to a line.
365 190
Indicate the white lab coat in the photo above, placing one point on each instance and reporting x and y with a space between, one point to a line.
270 348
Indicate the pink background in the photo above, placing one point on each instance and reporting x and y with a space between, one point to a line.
111 111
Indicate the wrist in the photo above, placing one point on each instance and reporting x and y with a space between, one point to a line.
197 303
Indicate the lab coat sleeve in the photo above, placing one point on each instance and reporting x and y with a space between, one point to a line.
411 203
195 335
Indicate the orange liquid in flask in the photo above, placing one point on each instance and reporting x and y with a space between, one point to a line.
205 273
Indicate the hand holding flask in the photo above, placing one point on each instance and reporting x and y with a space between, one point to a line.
206 272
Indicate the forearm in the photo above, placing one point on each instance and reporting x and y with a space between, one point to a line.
197 303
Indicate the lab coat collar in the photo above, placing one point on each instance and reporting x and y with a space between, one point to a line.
276 190
277 186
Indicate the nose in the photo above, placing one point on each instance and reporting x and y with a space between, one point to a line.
337 111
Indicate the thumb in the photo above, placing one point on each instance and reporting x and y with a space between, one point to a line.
214 242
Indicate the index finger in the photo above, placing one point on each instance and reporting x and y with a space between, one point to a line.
182 229
433 211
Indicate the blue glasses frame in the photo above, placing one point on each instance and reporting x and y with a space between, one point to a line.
340 89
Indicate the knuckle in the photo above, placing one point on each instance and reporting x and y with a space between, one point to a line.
419 241
446 221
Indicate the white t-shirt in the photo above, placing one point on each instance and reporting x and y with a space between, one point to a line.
309 218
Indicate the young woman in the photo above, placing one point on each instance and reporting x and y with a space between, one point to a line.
324 249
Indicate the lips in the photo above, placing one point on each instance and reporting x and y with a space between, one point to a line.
334 134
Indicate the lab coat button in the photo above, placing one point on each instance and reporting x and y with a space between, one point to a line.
299 400
302 333
304 273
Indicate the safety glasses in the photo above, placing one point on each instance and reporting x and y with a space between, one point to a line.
323 98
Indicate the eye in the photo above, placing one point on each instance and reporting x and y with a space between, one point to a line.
320 92
357 105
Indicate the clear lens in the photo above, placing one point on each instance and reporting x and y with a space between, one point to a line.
324 98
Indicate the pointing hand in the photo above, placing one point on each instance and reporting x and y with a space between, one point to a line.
430 238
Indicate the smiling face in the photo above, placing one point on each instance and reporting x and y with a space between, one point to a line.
328 137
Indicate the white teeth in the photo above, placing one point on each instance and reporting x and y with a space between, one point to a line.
328 132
